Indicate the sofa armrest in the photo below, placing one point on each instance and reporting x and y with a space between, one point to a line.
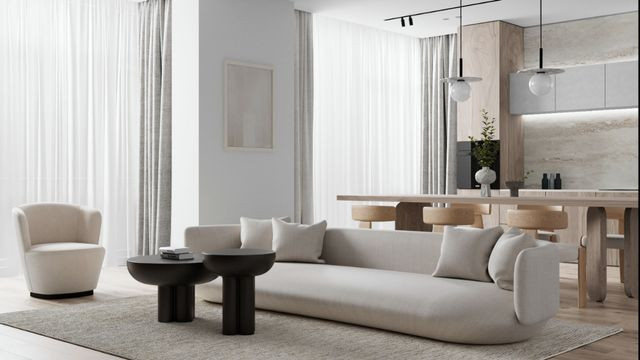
537 283
89 224
212 237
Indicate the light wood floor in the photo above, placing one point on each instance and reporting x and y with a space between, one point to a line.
116 283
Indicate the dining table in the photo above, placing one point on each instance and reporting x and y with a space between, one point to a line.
409 217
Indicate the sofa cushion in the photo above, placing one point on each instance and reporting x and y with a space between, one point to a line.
465 252
502 260
257 233
298 242
417 304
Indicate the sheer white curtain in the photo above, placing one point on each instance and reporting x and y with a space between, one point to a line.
69 114
367 119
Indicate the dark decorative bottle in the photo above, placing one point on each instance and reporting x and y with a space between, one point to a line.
545 181
557 182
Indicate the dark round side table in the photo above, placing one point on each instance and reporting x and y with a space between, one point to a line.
238 268
175 280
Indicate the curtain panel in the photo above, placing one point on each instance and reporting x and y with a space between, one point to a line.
366 116
439 115
69 114
303 118
154 205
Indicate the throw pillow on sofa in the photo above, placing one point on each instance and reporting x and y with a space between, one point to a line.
464 253
257 233
298 242
503 257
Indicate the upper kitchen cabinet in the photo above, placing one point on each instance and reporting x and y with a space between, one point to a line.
522 100
580 88
621 84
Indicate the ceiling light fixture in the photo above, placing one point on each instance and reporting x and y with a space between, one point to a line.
402 22
541 82
410 21
459 87
436 11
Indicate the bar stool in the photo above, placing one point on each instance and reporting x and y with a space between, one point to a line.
367 214
455 215
544 220
614 241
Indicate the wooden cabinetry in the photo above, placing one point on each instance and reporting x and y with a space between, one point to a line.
492 51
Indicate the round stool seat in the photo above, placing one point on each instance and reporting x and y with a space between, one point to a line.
369 213
537 219
448 216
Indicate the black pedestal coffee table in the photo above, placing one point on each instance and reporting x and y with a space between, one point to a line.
238 268
175 280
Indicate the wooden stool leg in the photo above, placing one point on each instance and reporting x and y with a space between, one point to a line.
365 225
582 277
621 265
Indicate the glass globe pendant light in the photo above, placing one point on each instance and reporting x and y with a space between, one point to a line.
459 87
541 82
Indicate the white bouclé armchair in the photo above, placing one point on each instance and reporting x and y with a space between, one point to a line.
59 249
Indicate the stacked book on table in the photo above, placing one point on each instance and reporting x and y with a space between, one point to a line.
176 253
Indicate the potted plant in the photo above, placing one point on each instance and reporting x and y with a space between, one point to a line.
484 151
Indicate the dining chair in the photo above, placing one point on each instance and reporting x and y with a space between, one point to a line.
368 214
455 215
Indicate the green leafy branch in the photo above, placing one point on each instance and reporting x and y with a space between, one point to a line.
485 150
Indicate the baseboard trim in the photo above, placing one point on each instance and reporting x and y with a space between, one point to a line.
61 296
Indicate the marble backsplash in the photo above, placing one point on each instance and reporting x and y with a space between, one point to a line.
591 150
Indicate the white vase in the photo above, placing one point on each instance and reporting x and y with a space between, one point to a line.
485 177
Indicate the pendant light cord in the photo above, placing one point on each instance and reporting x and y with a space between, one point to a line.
460 41
540 29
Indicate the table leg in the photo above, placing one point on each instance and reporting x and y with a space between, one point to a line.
238 305
246 305
229 306
176 303
631 252
597 253
409 217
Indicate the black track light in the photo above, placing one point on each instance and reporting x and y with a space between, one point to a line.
402 22
410 21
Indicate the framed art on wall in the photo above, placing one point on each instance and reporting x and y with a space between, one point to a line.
248 106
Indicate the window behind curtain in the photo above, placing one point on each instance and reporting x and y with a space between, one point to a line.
366 116
69 114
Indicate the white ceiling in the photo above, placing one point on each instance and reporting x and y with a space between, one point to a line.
520 12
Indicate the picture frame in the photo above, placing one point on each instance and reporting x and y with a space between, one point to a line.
248 106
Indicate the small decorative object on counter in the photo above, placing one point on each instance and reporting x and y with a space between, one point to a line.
485 151
557 182
514 187
545 181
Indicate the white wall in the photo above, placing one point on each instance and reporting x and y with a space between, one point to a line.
237 183
228 184
185 117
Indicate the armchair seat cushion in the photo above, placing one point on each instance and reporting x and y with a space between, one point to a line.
65 247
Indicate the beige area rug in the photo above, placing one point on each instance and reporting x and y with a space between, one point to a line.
128 328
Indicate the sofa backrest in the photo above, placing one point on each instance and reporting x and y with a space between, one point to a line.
409 251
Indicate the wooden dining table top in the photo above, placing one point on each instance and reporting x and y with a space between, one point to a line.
600 201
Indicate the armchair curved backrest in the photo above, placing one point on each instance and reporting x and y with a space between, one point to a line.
55 222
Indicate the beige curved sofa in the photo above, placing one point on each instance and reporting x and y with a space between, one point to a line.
382 279
59 249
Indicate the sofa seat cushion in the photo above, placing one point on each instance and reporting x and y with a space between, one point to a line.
418 304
